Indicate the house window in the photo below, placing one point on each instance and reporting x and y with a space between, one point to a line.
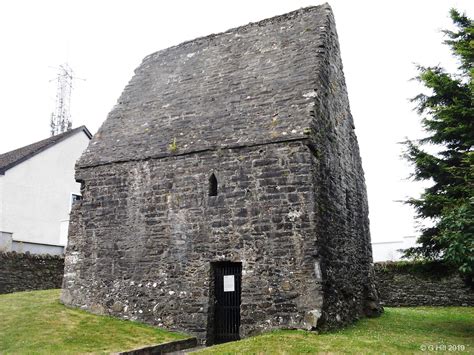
212 185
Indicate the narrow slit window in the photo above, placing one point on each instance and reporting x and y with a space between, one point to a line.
75 198
212 185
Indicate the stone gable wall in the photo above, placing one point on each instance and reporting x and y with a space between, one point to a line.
28 272
399 286
252 84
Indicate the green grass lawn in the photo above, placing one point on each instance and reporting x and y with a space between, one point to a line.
36 323
397 331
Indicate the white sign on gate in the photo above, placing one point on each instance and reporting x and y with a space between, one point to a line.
229 283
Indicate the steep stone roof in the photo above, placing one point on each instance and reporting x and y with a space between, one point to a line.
10 159
250 85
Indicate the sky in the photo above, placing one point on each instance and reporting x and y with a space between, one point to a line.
104 41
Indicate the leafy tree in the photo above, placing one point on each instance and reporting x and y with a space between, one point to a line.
448 119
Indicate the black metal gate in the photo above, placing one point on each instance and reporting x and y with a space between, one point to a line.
227 286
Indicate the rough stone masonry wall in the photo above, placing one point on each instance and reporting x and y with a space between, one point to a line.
142 239
27 272
341 199
410 286
248 85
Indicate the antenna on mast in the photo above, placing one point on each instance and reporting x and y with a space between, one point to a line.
61 117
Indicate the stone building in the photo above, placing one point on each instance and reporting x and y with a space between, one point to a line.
224 194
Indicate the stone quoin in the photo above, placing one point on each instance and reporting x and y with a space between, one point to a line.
228 171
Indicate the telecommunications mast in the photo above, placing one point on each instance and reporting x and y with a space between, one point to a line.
61 117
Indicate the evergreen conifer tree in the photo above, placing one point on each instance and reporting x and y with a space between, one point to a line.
448 118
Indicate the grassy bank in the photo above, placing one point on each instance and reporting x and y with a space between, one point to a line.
35 322
397 331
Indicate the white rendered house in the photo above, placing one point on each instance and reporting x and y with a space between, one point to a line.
392 251
37 188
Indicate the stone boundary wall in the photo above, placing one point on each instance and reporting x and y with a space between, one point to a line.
27 272
403 284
